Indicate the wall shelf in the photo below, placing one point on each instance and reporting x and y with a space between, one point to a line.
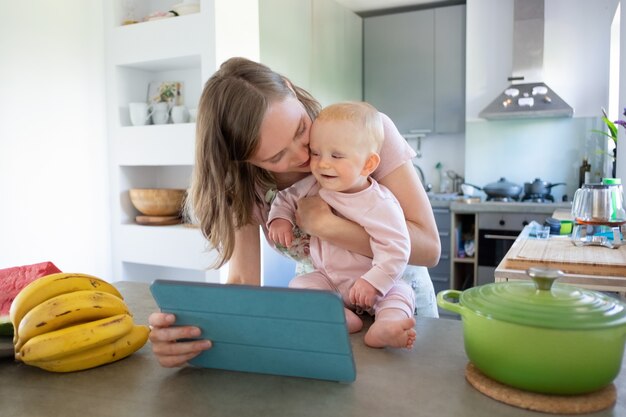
180 49
178 246
136 145
158 40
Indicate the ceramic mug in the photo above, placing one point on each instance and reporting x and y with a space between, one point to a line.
193 113
180 114
139 114
160 113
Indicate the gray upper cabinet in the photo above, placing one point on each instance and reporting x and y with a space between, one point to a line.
414 68
398 68
450 69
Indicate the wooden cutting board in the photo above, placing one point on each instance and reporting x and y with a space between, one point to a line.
562 254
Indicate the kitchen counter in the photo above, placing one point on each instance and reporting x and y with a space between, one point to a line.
605 275
512 207
461 205
426 381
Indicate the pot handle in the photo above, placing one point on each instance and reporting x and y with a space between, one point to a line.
473 186
442 300
544 277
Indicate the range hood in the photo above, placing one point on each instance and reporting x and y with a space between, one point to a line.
527 96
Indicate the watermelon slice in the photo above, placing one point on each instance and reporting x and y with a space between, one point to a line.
12 280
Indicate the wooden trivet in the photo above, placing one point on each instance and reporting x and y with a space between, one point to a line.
157 220
555 404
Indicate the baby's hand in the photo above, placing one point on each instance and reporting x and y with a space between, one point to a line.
281 232
363 294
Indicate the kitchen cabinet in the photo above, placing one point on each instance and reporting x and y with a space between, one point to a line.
440 274
464 267
493 227
414 68
317 44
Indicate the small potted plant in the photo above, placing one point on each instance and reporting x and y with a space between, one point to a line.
611 134
163 96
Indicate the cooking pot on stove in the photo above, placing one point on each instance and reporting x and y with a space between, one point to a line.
500 189
539 187
536 336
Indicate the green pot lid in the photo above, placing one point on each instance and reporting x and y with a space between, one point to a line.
543 303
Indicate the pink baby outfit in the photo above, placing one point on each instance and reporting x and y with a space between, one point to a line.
375 209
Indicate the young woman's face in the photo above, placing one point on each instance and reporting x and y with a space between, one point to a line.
284 138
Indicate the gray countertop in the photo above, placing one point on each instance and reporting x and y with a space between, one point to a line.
461 206
426 381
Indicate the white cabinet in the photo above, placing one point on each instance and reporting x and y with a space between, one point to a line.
414 68
183 49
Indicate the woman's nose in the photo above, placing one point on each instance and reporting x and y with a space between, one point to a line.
301 153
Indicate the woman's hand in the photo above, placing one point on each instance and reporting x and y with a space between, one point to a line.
315 217
164 336
311 213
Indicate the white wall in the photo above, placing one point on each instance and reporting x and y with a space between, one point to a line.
551 149
53 183
621 150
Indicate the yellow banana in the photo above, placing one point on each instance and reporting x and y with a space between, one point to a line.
66 309
90 358
50 286
63 342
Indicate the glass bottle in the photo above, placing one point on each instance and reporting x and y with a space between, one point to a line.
584 173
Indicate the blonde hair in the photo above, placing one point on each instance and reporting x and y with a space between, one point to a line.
223 186
361 113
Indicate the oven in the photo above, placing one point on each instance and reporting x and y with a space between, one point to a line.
496 234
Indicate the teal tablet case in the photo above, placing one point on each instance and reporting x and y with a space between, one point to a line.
280 331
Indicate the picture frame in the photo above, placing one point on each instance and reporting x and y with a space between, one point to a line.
170 92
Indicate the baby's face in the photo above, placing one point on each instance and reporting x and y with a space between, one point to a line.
338 156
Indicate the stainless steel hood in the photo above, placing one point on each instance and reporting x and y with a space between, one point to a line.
528 96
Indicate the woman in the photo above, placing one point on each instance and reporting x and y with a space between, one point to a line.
252 138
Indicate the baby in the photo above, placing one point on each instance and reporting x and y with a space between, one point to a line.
344 144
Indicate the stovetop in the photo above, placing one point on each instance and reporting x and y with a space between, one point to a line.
463 204
529 198
509 207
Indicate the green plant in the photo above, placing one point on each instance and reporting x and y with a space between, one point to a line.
612 126
167 92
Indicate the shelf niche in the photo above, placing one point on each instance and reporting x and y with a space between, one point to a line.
133 10
149 177
134 80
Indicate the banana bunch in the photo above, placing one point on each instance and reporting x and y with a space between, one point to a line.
71 321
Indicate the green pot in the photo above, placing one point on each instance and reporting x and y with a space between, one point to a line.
553 339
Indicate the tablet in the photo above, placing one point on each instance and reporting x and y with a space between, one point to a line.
271 330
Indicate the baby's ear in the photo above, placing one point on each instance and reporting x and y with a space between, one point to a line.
371 163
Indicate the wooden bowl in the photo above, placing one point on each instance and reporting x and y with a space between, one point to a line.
158 201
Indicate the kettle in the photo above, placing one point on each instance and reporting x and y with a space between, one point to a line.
457 181
600 203
598 211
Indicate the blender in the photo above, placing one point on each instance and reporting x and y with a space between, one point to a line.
599 216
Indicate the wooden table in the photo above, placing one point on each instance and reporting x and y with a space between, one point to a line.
593 267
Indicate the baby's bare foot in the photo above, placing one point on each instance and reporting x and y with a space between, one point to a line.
353 321
392 333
